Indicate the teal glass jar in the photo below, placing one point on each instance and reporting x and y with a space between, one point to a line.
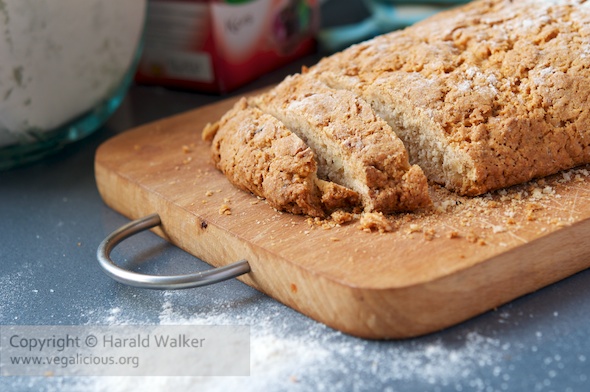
65 67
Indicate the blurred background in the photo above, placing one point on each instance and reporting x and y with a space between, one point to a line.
68 65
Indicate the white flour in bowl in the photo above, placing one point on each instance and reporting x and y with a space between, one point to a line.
60 58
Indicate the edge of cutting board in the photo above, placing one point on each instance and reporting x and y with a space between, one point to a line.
374 300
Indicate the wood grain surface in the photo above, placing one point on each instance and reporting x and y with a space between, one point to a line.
435 268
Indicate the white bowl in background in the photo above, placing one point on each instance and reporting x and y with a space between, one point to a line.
65 66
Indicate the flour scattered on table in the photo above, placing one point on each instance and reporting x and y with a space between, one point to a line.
300 354
13 287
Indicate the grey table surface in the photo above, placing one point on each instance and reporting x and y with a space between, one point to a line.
53 220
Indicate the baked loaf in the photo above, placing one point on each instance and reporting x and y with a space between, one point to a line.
354 147
485 96
309 149
259 154
491 94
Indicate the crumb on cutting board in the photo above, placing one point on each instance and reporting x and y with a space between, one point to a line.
511 212
224 209
375 221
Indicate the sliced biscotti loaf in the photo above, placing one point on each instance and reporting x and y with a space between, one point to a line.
353 147
489 95
259 154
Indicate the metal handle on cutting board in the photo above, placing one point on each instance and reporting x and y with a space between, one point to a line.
162 282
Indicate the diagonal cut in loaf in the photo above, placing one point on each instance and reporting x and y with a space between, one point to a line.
491 94
259 154
354 147
481 97
324 149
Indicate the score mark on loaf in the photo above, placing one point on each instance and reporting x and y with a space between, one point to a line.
486 96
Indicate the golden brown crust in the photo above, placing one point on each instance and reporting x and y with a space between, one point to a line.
271 144
354 147
486 96
337 197
209 131
258 154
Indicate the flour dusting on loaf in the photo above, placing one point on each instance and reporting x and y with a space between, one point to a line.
354 147
485 96
259 154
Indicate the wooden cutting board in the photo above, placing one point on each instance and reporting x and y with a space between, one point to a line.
434 269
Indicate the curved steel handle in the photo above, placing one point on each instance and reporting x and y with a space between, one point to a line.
162 282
